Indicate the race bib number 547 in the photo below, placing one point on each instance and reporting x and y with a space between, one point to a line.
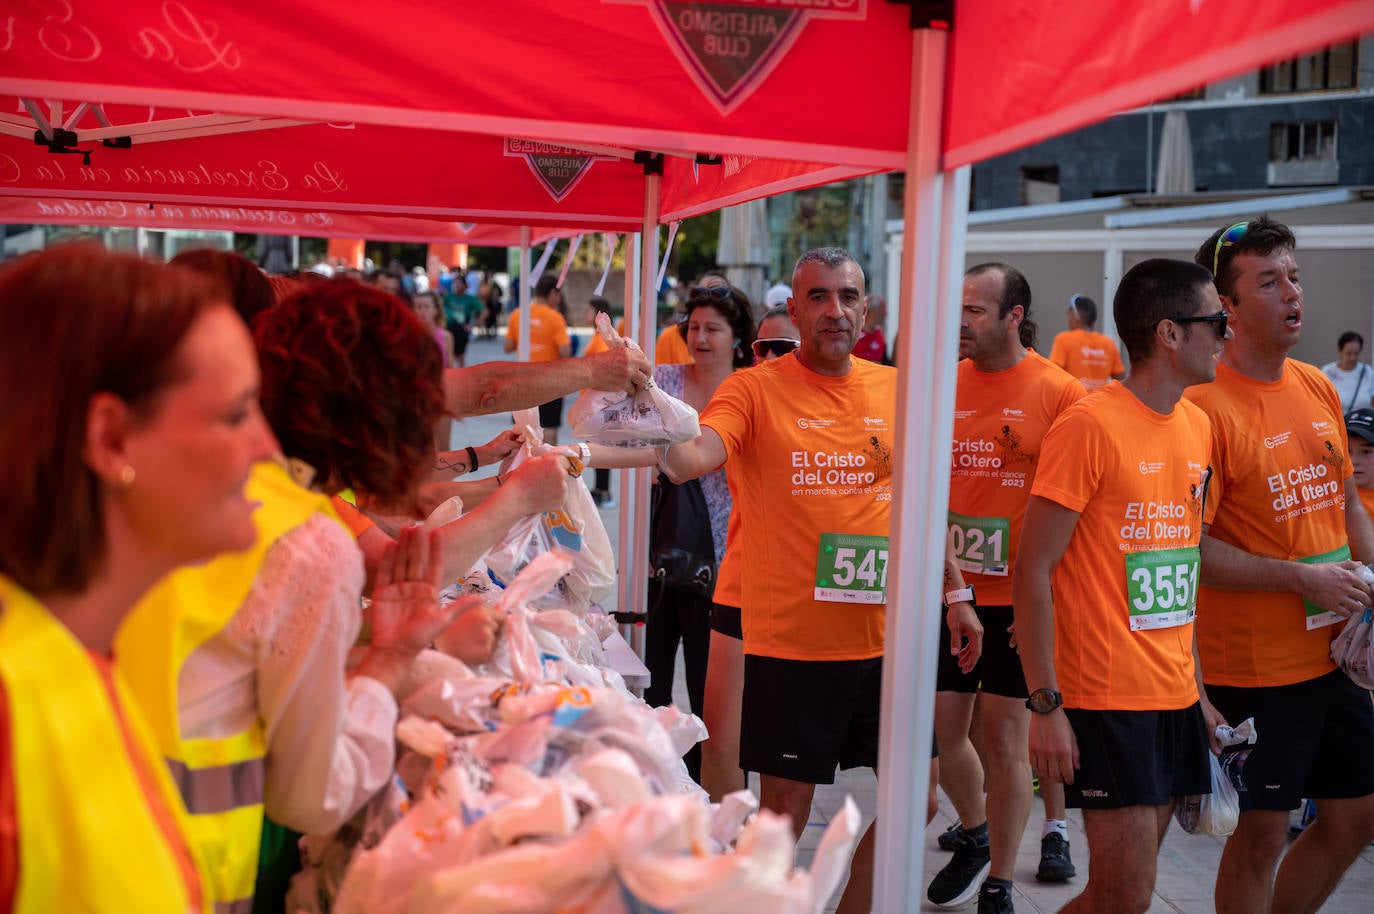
851 568
1161 587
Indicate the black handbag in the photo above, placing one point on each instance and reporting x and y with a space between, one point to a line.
681 549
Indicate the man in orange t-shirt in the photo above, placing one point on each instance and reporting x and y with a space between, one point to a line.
1106 582
1278 577
1089 356
1006 399
809 439
549 340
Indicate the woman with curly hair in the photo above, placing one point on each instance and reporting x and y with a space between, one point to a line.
251 685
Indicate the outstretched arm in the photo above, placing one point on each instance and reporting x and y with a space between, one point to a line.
495 387
694 458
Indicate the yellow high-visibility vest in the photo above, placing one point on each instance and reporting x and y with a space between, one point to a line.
221 779
88 841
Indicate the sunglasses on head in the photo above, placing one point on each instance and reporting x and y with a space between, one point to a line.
774 346
720 292
1218 322
1226 239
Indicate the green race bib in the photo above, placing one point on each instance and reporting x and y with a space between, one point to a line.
981 544
1161 587
851 568
1316 616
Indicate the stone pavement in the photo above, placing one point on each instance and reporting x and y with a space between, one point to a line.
1187 863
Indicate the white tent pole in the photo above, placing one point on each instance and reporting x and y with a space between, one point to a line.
648 323
925 423
525 289
625 602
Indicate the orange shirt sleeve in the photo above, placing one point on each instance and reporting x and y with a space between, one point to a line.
1117 366
356 521
671 348
1059 352
730 412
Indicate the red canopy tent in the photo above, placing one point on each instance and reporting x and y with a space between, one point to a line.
257 220
842 83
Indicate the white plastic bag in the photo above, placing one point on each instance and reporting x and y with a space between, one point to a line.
1218 812
1353 649
574 528
646 418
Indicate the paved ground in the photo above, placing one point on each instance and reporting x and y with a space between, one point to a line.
1187 863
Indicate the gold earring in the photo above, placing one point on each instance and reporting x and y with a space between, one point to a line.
127 476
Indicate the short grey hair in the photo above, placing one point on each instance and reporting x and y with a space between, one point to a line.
830 257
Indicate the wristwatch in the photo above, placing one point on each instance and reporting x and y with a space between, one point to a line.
1043 701
963 595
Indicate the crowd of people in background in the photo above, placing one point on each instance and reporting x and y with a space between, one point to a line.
203 491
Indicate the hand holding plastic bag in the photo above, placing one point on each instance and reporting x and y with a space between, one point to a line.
1353 649
1217 813
646 418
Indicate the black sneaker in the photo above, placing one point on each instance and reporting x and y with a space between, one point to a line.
949 838
1055 863
958 882
995 898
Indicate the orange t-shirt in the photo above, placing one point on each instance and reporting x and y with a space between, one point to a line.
671 348
730 575
548 332
1000 418
356 521
1090 357
1280 467
1367 499
1136 480
597 344
813 460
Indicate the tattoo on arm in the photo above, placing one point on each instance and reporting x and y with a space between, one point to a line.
450 465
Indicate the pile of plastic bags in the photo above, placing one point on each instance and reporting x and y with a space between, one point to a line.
537 782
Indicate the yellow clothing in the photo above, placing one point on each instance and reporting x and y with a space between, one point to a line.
222 779
98 818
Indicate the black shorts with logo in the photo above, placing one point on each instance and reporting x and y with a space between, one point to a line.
1314 739
998 670
800 719
1138 758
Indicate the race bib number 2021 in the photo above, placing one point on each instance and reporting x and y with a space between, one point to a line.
981 544
851 568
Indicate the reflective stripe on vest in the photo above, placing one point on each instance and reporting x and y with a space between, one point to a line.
222 779
87 840
219 788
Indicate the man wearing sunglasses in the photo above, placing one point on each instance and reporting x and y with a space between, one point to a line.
1105 586
1006 399
808 443
1278 580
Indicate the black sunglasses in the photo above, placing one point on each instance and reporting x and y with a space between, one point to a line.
721 292
774 346
1218 322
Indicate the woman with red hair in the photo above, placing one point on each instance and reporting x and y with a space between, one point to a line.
252 689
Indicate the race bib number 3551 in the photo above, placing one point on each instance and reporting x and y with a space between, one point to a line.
851 568
1161 587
